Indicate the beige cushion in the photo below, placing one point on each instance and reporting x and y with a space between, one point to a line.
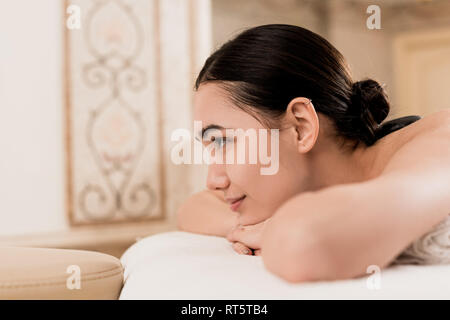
42 273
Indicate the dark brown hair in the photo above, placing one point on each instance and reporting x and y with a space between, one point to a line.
265 67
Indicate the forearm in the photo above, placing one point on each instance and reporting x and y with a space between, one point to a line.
331 234
293 242
206 213
338 232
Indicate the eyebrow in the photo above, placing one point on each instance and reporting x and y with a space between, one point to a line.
211 126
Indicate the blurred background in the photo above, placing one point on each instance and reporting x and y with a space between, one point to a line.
90 92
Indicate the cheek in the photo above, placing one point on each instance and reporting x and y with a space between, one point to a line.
265 193
267 189
272 190
245 176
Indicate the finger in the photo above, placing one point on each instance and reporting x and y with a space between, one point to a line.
257 252
236 234
241 248
248 235
230 234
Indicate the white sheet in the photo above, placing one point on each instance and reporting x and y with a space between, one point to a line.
181 265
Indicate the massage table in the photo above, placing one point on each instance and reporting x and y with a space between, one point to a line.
183 265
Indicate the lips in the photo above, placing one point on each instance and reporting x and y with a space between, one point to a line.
235 202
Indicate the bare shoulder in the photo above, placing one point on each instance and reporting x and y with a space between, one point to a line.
423 143
438 122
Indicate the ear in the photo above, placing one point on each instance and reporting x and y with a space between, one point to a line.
303 117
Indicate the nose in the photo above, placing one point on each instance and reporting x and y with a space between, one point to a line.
217 177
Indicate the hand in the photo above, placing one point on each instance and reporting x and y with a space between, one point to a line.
242 248
247 237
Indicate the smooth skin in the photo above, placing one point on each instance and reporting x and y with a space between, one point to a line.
328 213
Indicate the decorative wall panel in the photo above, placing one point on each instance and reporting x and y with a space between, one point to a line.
115 169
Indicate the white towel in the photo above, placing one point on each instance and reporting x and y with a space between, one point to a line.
182 265
432 248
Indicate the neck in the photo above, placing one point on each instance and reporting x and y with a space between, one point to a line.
332 166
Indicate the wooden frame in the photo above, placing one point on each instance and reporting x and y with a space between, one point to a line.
71 192
409 98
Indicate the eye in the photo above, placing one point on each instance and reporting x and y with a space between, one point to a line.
219 142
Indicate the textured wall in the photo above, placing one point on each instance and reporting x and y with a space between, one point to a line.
343 22
33 137
31 134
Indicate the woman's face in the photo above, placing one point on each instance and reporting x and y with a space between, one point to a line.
263 194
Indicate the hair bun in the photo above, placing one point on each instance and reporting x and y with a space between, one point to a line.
369 107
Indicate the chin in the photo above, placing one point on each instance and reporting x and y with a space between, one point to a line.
248 219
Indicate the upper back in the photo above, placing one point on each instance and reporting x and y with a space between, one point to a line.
429 127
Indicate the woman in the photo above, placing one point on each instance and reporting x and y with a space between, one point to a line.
350 191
